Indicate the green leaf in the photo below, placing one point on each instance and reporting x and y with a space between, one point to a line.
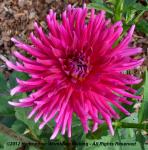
7 143
100 6
143 112
133 118
129 108
133 11
128 3
142 26
5 108
118 10
136 19
139 86
14 75
140 138
33 148
3 86
138 6
77 129
18 126
7 120
54 147
21 114
97 1
126 133
77 134
130 14
112 1
112 142
101 131
133 5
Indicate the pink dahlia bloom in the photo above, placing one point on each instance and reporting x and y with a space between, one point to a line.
76 69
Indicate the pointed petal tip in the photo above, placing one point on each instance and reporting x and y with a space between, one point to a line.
131 31
12 92
14 40
63 132
10 103
139 98
51 138
35 24
102 12
69 135
128 114
140 49
142 60
117 116
29 117
95 128
15 52
9 64
112 132
35 120
120 23
42 125
50 12
84 5
17 80
69 6
133 26
31 35
13 103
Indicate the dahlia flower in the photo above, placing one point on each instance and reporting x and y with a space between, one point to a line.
76 68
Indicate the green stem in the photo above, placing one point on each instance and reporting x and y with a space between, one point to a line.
117 125
143 126
119 140
9 132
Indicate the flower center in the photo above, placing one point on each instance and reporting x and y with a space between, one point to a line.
77 67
